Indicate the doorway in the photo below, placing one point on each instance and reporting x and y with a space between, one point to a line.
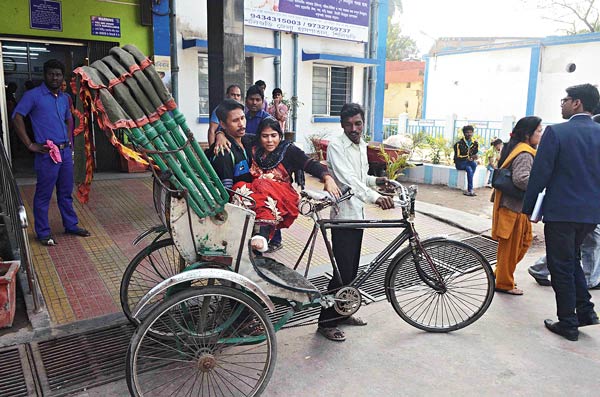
23 69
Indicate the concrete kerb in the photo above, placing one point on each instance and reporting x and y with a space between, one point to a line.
460 219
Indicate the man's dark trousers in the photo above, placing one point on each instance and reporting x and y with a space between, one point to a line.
563 241
346 250
50 175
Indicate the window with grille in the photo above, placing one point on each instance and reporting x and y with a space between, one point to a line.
203 84
331 89
249 74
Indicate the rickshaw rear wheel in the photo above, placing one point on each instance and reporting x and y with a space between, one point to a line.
153 264
218 353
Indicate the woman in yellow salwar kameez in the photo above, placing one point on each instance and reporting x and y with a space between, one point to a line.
510 226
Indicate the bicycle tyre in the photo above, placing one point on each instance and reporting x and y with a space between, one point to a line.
153 264
198 362
468 281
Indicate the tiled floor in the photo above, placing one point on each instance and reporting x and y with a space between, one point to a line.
80 277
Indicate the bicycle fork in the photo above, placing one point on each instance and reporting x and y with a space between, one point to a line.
436 282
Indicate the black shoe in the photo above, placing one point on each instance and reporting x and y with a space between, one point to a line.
571 334
543 281
597 286
79 232
592 319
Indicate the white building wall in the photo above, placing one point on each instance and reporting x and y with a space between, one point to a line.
191 23
484 85
554 77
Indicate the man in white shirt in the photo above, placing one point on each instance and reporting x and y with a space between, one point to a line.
348 164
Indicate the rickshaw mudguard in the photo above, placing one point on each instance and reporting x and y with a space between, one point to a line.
203 274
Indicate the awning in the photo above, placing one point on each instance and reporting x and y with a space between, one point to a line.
264 52
337 59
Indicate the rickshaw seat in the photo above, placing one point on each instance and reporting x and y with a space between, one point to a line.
282 276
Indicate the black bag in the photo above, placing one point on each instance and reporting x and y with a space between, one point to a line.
502 180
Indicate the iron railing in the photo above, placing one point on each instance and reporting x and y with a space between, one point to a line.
14 219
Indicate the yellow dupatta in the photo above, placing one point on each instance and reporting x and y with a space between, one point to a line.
502 226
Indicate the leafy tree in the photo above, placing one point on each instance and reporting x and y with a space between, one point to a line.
576 16
399 46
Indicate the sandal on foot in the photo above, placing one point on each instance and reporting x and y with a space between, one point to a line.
79 232
352 320
332 333
514 291
48 241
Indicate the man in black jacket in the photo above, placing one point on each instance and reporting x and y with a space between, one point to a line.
465 155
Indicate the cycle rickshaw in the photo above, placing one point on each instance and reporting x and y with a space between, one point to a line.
202 324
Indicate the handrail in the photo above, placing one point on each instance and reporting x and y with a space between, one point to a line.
14 217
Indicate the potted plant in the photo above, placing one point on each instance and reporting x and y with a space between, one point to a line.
395 163
8 292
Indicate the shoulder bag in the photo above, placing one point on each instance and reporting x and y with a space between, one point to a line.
502 180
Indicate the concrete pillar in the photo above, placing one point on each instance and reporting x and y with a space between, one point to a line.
449 127
507 126
402 123
226 63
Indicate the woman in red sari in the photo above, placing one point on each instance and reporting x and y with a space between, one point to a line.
273 160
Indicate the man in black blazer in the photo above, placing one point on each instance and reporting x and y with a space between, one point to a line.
567 165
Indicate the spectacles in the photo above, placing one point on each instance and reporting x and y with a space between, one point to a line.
565 100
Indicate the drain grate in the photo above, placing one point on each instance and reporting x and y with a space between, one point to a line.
17 379
78 362
486 246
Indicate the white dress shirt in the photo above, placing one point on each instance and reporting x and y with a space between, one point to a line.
348 165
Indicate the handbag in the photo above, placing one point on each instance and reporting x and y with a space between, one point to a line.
502 180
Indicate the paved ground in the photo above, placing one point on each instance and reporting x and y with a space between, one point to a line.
508 351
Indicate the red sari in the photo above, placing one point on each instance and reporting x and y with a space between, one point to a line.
276 199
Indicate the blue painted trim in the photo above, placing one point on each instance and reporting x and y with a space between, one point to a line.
534 67
306 56
253 49
325 119
453 178
203 120
492 47
382 31
161 34
249 49
532 43
190 43
428 175
425 81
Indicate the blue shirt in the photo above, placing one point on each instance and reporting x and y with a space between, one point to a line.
48 114
213 116
252 123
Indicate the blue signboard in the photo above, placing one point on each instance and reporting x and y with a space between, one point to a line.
45 15
103 26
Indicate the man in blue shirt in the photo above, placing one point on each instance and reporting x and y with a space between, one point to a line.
48 108
255 98
234 92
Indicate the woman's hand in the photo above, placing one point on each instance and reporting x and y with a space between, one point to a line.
222 144
331 187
